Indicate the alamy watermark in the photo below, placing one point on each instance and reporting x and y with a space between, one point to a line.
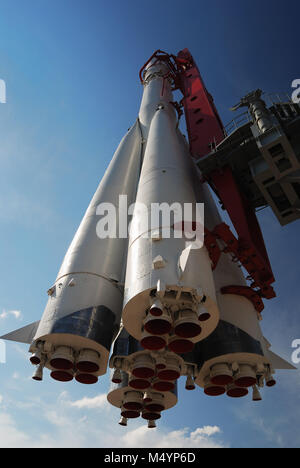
296 93
157 220
2 92
296 354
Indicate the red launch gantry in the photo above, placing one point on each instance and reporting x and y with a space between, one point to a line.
207 138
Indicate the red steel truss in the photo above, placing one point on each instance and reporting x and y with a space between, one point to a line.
205 131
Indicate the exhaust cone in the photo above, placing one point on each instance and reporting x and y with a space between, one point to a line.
236 392
35 359
163 386
123 422
62 358
188 330
221 374
180 345
61 364
222 380
187 324
158 326
143 367
153 343
256 396
157 309
117 376
143 372
204 317
62 375
139 384
133 406
151 425
271 382
246 377
169 374
86 379
128 414
214 390
88 361
155 407
150 416
190 384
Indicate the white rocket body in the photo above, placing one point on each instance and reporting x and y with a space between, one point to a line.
84 310
156 264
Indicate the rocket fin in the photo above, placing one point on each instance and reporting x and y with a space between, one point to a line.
279 363
276 361
23 335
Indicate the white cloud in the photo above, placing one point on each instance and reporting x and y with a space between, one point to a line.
67 424
11 313
10 435
164 438
206 431
98 402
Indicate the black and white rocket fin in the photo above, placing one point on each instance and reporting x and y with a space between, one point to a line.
278 362
23 335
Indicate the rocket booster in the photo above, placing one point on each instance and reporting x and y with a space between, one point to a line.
162 270
236 356
84 308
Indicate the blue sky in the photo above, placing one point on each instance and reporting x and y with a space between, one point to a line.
71 69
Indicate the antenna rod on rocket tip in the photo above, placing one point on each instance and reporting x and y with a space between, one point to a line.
167 304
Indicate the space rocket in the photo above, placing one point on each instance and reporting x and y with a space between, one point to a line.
152 301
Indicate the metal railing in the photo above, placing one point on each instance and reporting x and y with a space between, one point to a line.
237 122
277 98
